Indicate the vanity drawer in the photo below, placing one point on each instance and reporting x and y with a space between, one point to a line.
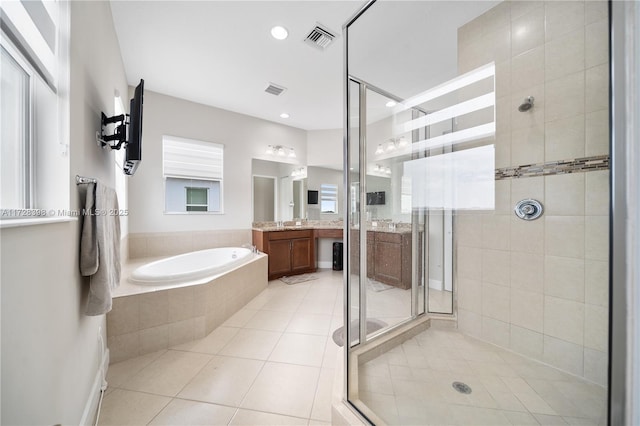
328 233
289 235
388 237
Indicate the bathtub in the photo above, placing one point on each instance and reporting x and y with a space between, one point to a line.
190 268
161 303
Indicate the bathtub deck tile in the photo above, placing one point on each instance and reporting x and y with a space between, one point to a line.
212 343
240 318
181 303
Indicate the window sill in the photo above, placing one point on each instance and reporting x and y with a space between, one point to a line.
14 223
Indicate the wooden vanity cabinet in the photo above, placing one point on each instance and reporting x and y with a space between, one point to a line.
290 252
388 257
392 259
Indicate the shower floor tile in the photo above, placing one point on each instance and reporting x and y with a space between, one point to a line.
412 385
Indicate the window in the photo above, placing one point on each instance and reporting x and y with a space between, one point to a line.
193 175
15 164
34 62
328 198
197 199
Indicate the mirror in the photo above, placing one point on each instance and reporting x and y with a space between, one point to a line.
280 192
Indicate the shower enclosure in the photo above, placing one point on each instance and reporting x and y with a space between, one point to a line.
477 152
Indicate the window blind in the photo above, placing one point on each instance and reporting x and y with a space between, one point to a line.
192 159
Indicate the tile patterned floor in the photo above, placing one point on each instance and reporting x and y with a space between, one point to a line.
412 385
272 363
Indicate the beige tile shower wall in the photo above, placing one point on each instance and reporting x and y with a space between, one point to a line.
541 288
172 243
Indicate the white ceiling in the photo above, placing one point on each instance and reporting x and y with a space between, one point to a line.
220 53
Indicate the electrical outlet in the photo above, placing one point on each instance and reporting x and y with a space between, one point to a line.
298 223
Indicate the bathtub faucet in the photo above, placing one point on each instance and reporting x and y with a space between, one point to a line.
251 247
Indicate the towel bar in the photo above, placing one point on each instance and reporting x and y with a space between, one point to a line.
81 179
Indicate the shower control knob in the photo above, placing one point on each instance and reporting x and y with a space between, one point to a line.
528 209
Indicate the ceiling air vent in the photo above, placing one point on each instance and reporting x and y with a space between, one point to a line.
319 37
274 89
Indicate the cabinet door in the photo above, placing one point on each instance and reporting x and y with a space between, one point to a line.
279 257
388 263
301 254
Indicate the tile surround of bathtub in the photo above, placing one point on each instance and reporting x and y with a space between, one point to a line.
144 323
545 280
157 244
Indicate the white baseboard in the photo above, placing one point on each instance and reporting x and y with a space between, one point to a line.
324 265
91 406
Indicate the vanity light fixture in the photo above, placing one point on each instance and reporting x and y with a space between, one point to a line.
382 169
299 173
280 151
284 115
279 33
391 145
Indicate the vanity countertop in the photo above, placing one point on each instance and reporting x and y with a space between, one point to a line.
337 225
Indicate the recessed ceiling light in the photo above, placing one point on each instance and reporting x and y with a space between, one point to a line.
279 33
284 115
390 104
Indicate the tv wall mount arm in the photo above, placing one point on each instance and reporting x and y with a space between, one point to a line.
119 136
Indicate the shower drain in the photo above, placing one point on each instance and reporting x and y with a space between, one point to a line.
461 387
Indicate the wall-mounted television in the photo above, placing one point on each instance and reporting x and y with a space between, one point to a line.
312 197
134 143
375 198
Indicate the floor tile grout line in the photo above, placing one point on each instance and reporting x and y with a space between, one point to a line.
160 411
212 357
267 360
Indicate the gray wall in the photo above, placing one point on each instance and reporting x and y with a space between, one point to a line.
244 138
50 349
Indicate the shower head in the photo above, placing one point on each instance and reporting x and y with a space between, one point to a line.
527 104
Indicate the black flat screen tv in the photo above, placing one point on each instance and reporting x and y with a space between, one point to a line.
134 144
312 197
375 198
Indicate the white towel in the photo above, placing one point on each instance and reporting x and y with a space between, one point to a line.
100 247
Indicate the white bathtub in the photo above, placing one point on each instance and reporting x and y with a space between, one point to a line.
194 267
